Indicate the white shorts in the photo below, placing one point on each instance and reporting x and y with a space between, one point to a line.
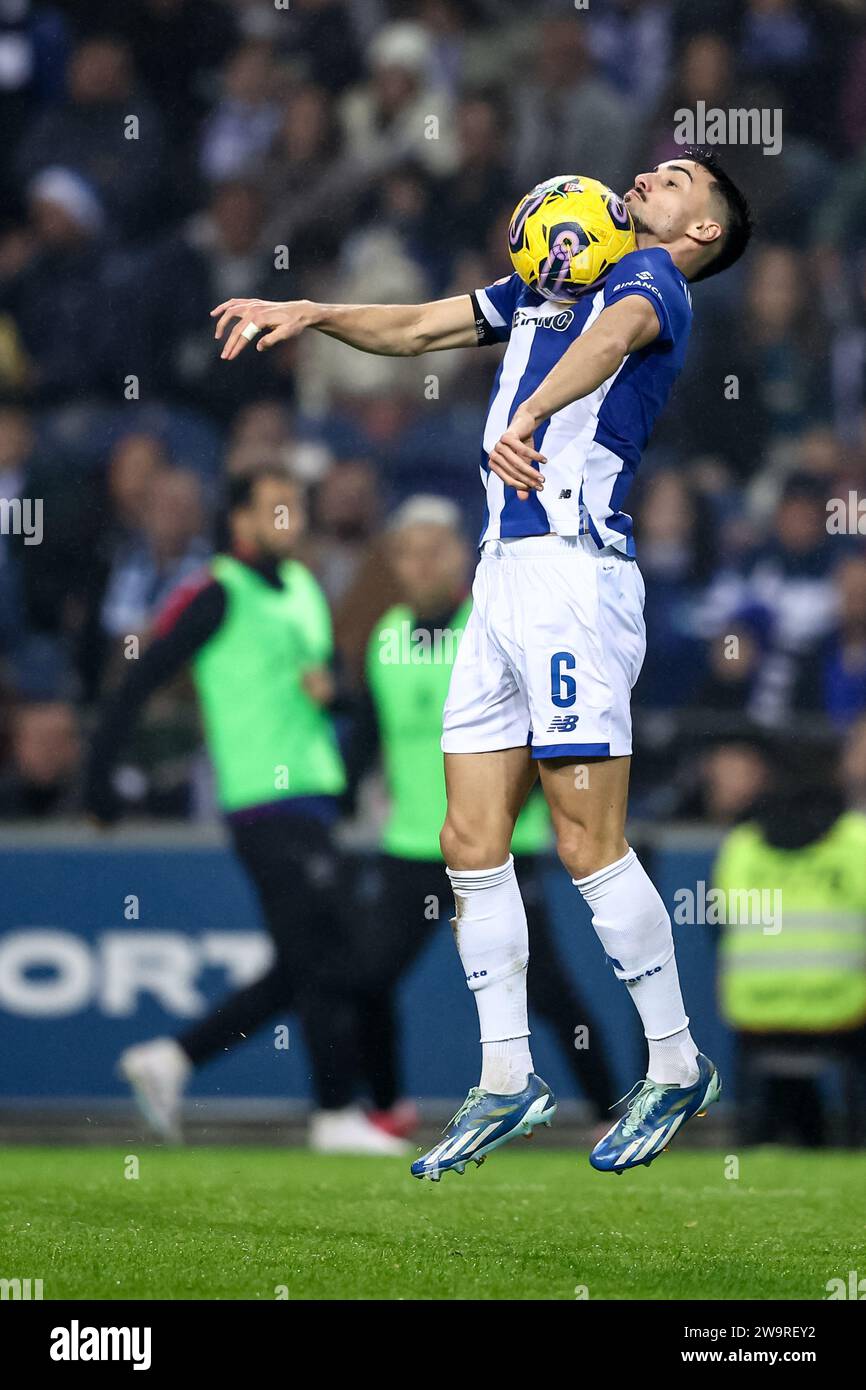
551 651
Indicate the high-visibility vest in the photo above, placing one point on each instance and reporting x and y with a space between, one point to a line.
792 956
268 739
408 684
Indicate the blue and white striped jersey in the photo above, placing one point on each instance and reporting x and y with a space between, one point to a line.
594 445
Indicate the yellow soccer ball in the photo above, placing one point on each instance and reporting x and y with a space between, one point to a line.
566 234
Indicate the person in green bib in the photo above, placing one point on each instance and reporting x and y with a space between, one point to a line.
409 658
255 632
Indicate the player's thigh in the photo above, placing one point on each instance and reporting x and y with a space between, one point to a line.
486 792
588 799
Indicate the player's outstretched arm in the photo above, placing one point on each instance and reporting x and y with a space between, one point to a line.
391 330
624 327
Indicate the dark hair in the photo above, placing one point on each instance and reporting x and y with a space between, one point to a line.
738 223
241 486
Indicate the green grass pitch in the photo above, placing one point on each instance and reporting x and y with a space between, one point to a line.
257 1223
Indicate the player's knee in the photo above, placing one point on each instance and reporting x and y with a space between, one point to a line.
473 844
584 850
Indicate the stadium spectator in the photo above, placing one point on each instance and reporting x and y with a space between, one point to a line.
318 36
177 46
107 130
633 45
132 466
675 565
34 39
243 123
42 774
66 267
398 115
346 513
832 681
785 339
172 546
313 186
17 445
593 122
481 179
219 253
790 584
730 774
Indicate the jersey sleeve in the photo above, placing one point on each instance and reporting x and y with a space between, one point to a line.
654 278
494 306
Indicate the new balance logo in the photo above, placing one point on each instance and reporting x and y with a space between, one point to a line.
565 494
563 724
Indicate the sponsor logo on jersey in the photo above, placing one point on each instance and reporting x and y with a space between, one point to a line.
637 285
559 320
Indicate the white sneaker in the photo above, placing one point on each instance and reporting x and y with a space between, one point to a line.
157 1071
350 1132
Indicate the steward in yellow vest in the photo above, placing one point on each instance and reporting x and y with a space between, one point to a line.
801 966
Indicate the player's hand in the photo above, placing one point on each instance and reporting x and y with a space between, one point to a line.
285 320
514 457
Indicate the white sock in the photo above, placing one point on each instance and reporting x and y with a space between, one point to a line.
493 942
673 1060
633 926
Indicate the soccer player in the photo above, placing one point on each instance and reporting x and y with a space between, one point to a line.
410 655
557 634
255 631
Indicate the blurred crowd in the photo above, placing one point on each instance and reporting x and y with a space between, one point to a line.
162 156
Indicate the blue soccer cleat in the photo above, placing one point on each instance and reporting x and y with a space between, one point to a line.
653 1118
483 1122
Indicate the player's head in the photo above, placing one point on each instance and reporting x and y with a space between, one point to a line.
692 207
428 553
267 512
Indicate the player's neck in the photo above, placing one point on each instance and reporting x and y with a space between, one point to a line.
682 252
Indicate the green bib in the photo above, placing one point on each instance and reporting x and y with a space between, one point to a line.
408 678
267 739
810 974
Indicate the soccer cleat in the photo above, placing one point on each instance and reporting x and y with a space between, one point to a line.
483 1122
652 1119
349 1131
157 1071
